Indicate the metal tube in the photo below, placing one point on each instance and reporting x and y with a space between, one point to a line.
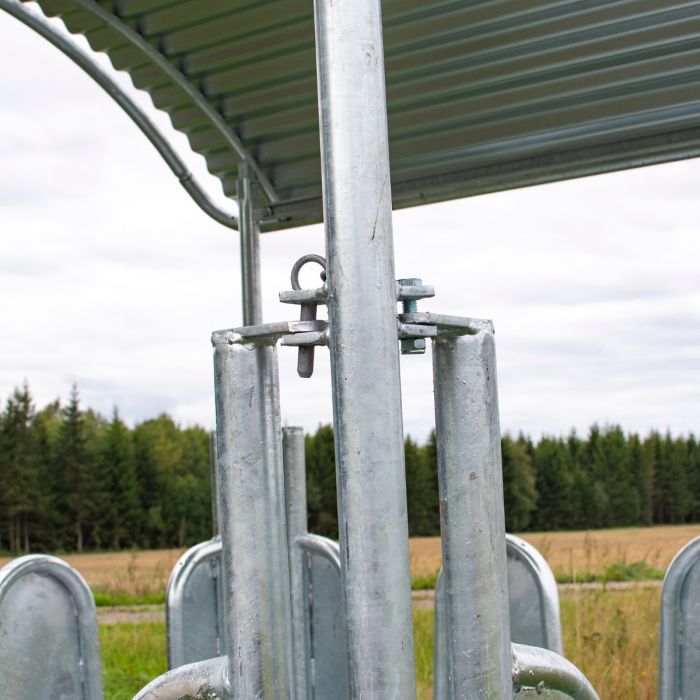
253 529
297 524
472 520
150 130
215 497
249 228
171 71
545 670
364 349
679 651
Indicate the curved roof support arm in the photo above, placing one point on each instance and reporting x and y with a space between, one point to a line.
82 58
110 20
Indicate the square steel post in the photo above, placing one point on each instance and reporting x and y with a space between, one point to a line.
364 349
253 529
472 520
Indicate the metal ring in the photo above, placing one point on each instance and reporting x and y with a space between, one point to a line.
311 257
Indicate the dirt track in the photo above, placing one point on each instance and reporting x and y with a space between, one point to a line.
424 600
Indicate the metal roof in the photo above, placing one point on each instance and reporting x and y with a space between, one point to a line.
482 95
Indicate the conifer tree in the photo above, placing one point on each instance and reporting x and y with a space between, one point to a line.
519 494
77 483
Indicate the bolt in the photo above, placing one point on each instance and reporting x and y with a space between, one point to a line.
411 346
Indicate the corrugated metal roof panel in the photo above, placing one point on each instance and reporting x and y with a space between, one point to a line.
484 95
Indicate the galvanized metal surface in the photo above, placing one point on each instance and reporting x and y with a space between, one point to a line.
472 521
533 598
194 610
49 647
316 609
85 60
533 603
253 528
250 249
367 421
482 96
327 667
215 490
204 680
294 459
543 672
679 649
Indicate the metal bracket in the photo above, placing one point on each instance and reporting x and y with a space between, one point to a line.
446 325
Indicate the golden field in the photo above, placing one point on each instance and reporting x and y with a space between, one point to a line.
610 633
589 551
569 553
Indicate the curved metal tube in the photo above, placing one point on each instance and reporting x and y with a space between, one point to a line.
203 680
542 669
84 606
678 648
82 58
158 59
548 594
317 544
183 593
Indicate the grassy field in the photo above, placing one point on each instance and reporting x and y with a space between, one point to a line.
125 578
610 634
578 556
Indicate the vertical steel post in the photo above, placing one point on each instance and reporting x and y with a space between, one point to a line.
249 230
364 349
254 536
472 520
215 499
297 524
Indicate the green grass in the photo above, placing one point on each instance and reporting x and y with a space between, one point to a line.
132 656
617 571
424 583
423 621
113 599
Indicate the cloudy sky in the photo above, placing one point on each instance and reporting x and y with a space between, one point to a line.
112 278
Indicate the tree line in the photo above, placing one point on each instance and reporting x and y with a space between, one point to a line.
73 480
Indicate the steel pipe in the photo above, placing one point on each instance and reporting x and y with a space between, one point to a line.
679 640
364 349
173 73
253 528
249 228
202 680
86 61
543 671
297 524
472 520
214 473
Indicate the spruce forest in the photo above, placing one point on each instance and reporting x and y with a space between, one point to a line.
73 480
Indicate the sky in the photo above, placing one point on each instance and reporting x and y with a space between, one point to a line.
111 278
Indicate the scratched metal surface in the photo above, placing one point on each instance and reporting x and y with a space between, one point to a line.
49 648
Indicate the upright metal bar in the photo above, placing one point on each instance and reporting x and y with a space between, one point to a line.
472 520
249 228
364 349
253 529
679 641
297 524
215 498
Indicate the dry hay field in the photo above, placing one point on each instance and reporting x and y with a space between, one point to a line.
568 553
591 551
137 574
610 633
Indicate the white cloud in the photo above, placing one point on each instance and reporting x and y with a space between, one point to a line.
111 277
